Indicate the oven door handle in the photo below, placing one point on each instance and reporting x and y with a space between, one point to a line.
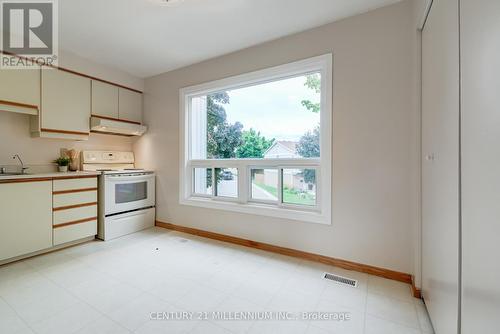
130 178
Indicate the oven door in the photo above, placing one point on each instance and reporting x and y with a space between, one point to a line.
128 192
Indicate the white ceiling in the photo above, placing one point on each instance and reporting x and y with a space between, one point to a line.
145 38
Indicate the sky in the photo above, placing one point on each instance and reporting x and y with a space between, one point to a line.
274 108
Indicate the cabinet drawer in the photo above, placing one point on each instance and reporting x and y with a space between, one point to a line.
70 199
74 232
75 184
73 215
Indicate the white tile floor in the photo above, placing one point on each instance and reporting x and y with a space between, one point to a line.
113 287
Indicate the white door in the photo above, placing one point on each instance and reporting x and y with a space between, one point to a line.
480 51
440 165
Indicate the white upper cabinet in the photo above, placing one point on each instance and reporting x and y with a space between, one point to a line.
130 105
62 101
104 99
65 105
20 90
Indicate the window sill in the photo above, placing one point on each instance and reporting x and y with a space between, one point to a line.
259 209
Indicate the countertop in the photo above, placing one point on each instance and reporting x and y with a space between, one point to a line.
46 176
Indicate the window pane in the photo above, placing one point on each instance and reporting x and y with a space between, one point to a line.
203 181
226 182
279 119
265 184
299 186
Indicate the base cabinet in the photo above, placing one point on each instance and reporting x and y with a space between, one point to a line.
38 215
75 209
26 218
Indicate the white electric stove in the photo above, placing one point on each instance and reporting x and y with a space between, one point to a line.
126 194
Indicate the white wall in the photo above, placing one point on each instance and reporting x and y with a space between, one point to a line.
421 8
40 152
375 188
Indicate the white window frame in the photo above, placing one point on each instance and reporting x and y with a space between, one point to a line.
321 213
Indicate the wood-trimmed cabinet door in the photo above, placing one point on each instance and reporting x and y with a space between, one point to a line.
26 218
104 99
20 89
130 105
65 103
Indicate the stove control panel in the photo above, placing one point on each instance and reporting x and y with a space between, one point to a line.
107 157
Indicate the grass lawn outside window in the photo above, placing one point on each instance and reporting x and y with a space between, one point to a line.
290 196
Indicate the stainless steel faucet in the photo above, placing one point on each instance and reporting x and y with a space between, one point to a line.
23 169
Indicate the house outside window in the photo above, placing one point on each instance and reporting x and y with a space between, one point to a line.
261 142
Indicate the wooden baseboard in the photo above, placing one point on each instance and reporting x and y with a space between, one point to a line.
364 268
417 293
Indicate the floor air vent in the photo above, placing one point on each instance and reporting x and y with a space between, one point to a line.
341 280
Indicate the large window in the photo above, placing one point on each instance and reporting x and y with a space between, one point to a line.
261 142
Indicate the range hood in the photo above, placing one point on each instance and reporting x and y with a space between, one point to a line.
116 127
